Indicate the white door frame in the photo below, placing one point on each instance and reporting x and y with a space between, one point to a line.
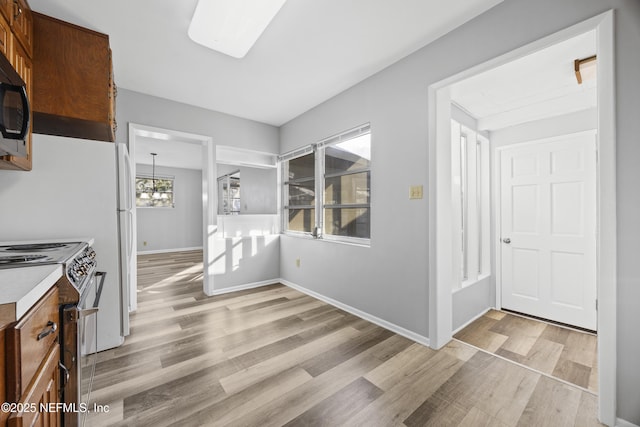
440 227
209 196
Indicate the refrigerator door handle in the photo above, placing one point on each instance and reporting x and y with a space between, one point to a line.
128 181
130 233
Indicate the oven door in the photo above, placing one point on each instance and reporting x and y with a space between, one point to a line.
88 338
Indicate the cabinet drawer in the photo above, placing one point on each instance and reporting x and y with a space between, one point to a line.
29 341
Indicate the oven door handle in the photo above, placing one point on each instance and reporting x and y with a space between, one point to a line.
66 374
93 310
103 275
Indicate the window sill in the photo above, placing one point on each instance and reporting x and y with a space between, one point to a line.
470 283
366 243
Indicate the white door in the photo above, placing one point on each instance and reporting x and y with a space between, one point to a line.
548 229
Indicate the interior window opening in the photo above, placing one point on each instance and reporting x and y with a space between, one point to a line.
471 191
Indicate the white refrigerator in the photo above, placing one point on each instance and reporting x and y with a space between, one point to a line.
126 224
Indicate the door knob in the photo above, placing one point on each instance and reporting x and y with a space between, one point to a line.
506 240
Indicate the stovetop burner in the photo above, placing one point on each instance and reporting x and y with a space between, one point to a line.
16 254
20 258
34 247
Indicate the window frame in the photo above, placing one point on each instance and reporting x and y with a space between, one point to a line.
318 150
146 176
223 180
284 159
475 215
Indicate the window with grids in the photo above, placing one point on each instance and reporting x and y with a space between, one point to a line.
300 193
347 188
154 192
327 187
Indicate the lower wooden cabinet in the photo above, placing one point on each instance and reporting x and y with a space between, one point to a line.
39 405
31 357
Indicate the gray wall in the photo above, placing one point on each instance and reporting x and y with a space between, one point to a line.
246 260
389 279
472 300
561 125
149 110
172 228
257 189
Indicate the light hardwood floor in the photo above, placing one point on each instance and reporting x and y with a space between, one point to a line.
272 356
564 353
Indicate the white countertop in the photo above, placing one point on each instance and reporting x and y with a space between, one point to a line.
23 287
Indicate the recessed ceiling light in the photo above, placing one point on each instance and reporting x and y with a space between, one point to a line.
231 26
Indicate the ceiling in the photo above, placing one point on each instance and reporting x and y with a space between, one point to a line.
170 152
311 51
537 86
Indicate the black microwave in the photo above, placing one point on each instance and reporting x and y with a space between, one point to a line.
14 111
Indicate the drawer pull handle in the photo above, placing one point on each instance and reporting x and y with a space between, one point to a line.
51 328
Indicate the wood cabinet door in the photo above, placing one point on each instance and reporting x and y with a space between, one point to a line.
22 25
6 8
74 91
42 393
29 341
5 37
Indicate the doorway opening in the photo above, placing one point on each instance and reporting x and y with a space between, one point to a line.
181 151
441 213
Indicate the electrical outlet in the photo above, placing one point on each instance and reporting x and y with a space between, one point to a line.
297 262
415 192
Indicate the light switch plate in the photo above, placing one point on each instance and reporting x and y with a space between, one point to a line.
415 192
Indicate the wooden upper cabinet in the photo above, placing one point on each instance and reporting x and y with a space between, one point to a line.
6 8
22 25
5 37
73 93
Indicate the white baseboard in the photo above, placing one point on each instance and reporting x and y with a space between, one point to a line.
624 423
420 339
230 289
165 251
472 320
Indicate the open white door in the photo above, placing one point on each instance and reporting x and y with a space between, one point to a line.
548 229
